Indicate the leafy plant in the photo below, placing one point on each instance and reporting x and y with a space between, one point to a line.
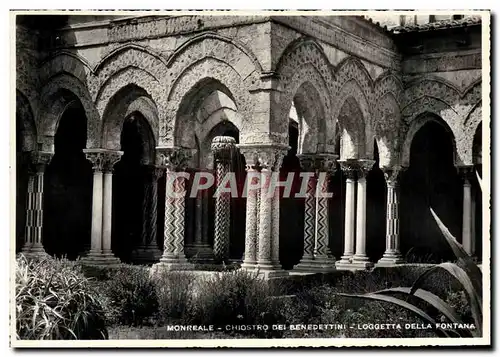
55 301
132 295
174 290
465 270
234 297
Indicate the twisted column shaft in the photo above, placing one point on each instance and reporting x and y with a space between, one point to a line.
223 148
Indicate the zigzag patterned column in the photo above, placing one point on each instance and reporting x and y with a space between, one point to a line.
307 162
392 255
173 257
223 148
323 259
252 209
360 260
34 210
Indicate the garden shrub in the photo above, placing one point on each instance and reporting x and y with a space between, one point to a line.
132 296
174 290
54 300
235 298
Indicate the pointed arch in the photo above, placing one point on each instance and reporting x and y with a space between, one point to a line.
415 125
305 76
121 59
191 45
56 95
350 69
149 88
124 103
65 61
353 115
195 83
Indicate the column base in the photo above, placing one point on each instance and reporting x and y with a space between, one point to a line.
344 263
305 265
389 260
361 262
201 253
34 251
100 258
172 264
270 270
147 254
249 265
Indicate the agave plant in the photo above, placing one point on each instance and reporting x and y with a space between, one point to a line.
465 270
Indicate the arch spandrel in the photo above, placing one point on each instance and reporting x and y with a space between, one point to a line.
387 127
465 142
25 123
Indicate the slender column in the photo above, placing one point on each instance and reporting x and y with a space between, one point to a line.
350 171
110 160
34 214
173 257
97 160
323 259
100 246
360 259
467 215
392 255
252 210
307 162
223 148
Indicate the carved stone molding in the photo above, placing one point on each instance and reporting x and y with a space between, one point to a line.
173 158
356 169
392 175
37 161
264 156
466 172
102 159
223 147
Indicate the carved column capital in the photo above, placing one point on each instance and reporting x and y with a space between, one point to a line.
102 159
466 172
356 169
38 160
173 158
307 162
326 163
392 175
223 148
264 156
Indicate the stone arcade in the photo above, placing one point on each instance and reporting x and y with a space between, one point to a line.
109 107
